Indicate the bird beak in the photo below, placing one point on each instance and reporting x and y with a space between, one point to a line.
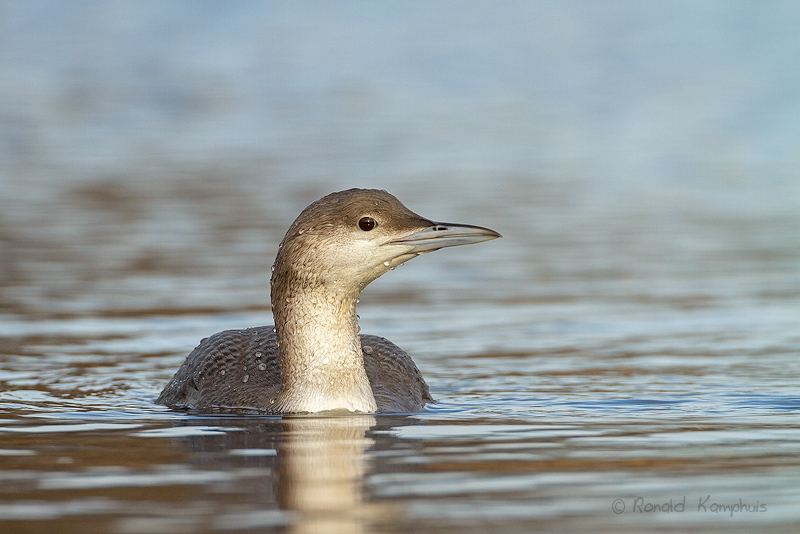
441 235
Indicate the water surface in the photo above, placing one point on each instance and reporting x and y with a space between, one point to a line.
624 360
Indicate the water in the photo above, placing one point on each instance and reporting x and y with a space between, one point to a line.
624 360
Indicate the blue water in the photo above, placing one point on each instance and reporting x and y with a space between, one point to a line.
624 360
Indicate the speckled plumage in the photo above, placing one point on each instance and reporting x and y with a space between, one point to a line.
246 362
314 358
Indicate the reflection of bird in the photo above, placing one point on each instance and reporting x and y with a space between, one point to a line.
314 359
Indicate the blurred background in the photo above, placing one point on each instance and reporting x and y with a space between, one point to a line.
153 153
636 332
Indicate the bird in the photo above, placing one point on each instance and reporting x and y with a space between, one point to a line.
314 358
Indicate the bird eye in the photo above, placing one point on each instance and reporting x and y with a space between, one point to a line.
367 223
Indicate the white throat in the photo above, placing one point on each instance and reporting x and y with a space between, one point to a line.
322 366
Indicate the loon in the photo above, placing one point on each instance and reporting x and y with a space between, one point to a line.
314 359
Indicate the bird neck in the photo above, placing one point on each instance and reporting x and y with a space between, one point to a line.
319 345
